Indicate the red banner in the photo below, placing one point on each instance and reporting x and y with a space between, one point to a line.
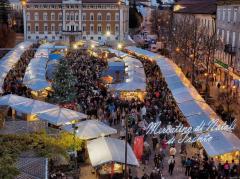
138 147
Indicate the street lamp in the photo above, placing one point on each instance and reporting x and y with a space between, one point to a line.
177 49
75 46
119 47
22 47
108 33
75 130
24 3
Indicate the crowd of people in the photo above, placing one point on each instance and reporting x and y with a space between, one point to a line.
13 81
94 100
159 105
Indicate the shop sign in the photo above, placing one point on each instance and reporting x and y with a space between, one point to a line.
220 63
201 131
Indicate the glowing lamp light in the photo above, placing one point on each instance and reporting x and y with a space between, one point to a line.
234 87
92 46
119 46
75 46
108 33
205 74
177 49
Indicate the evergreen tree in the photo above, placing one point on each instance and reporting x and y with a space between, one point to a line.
64 83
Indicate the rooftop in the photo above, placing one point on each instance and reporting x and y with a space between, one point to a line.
196 6
32 168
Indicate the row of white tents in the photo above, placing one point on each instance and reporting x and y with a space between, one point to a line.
10 60
35 75
112 150
191 104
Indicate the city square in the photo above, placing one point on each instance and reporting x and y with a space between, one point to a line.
120 89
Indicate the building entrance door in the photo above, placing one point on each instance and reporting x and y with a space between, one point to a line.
71 39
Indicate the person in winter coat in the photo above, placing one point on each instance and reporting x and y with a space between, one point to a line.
171 165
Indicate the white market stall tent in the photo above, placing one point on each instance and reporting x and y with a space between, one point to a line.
11 99
134 84
51 113
33 107
10 59
91 129
44 50
112 150
118 53
142 53
35 75
61 116
222 143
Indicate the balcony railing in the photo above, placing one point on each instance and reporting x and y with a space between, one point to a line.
65 32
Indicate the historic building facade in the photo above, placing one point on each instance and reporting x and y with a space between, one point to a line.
228 30
73 20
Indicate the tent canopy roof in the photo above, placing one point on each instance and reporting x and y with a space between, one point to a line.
112 150
35 75
12 99
11 58
118 52
91 129
33 107
61 116
222 142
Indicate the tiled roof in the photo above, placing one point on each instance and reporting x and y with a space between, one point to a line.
32 168
197 6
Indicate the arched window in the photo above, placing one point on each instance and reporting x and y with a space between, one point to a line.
76 17
108 28
36 16
91 17
52 27
45 16
45 27
68 17
60 16
83 16
99 17
108 17
72 16
53 16
117 17
60 27
28 16
99 28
